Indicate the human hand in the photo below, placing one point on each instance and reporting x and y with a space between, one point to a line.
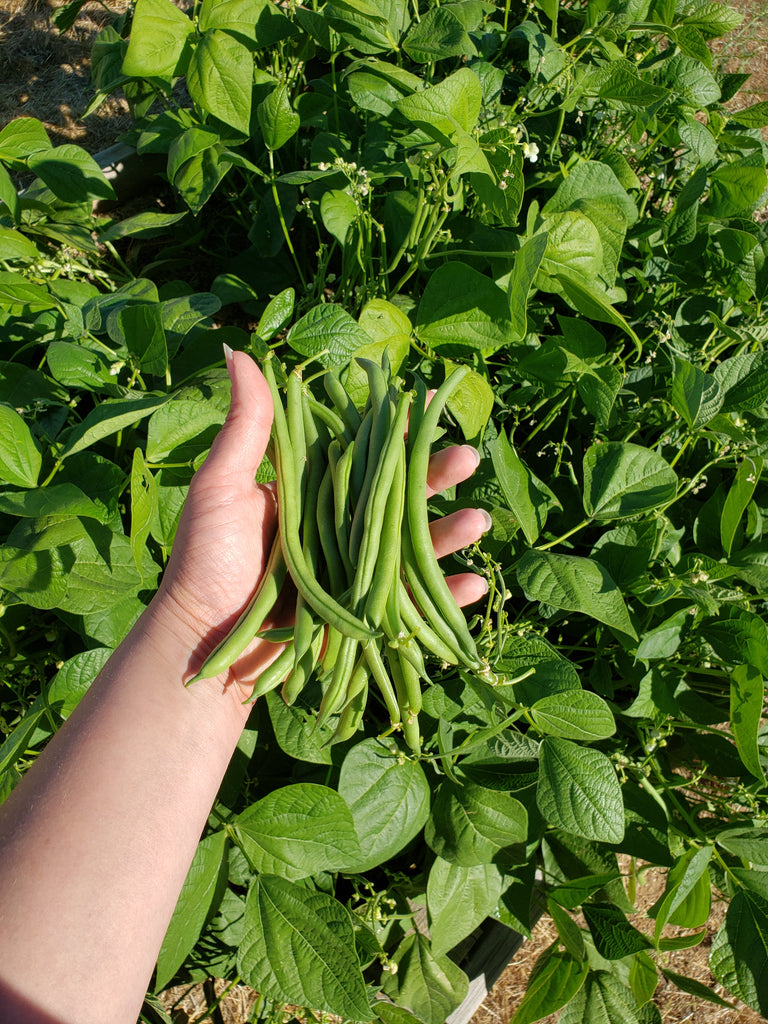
229 523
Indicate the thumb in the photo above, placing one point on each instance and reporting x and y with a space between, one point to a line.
242 441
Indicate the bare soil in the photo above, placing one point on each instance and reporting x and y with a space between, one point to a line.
45 74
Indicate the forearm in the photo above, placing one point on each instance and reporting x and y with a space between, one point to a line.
101 831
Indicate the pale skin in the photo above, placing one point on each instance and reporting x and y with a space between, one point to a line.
96 840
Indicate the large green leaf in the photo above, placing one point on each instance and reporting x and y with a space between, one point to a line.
107 419
623 480
459 899
579 792
20 457
462 311
437 36
740 950
738 498
526 266
743 379
71 174
574 584
388 797
202 891
431 986
328 332
472 825
298 831
298 946
443 108
159 34
574 715
603 999
747 689
220 79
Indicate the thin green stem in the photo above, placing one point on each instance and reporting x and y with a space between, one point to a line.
563 536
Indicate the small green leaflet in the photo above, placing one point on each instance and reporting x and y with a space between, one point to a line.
554 981
613 935
431 986
298 946
71 174
574 584
522 491
473 825
526 266
696 395
20 457
144 503
437 36
738 497
579 792
109 417
278 121
748 843
747 690
686 900
277 315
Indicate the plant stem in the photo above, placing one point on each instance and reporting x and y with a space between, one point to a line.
283 225
563 536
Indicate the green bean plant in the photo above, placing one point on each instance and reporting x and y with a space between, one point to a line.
560 207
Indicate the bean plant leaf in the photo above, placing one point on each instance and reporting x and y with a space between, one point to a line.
743 379
298 947
441 109
555 979
220 79
20 456
22 137
613 935
687 882
748 843
462 311
523 492
602 999
574 715
738 497
107 419
527 263
696 395
388 798
579 792
737 957
144 501
201 893
472 825
471 404
277 315
574 583
71 174
459 899
142 327
747 689
437 36
297 831
159 34
278 121
74 678
328 332
431 986
622 480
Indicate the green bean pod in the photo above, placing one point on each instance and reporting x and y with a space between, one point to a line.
341 400
378 670
418 522
272 675
289 521
250 621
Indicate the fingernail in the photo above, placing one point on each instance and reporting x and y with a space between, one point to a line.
229 356
485 585
487 517
475 453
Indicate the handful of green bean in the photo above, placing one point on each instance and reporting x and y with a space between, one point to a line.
354 537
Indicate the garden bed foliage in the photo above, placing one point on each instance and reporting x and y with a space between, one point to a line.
556 197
